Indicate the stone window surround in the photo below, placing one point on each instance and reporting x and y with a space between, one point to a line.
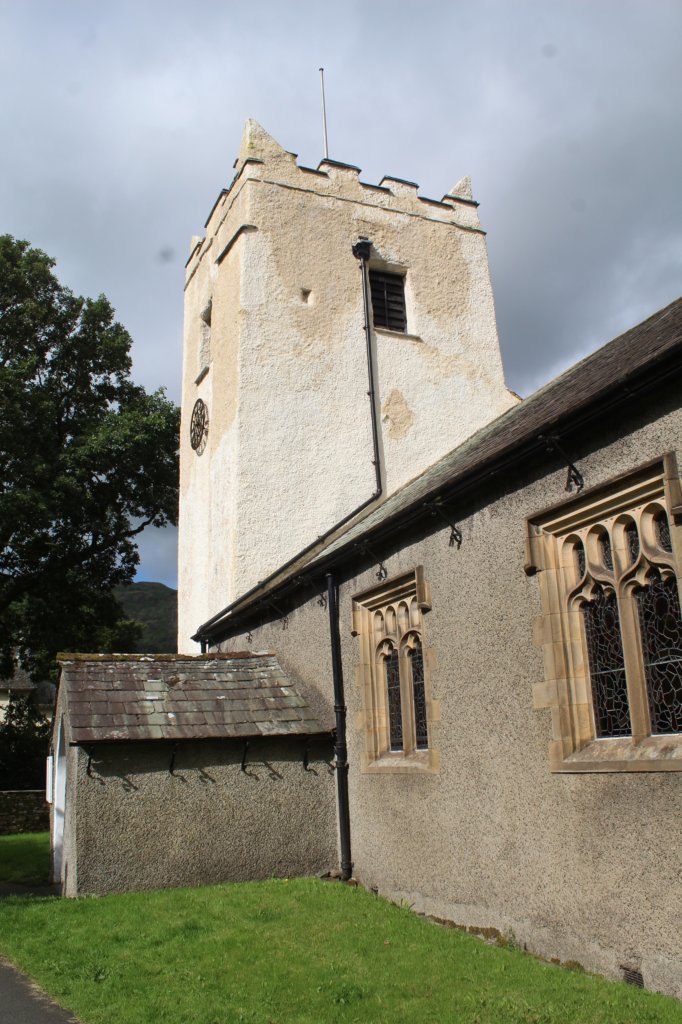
559 631
411 592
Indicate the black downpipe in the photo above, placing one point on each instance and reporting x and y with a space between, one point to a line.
340 747
361 251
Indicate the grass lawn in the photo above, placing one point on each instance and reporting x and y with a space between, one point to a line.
296 952
25 859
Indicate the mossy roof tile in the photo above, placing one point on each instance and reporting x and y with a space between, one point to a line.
121 697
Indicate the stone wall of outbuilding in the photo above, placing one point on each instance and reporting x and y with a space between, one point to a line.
149 816
577 867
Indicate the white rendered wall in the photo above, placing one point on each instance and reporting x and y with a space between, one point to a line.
289 447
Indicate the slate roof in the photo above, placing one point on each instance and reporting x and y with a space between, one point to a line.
20 682
587 390
172 697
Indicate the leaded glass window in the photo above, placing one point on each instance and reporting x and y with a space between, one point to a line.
395 711
662 527
397 703
605 548
658 605
416 660
632 541
580 557
611 630
607 665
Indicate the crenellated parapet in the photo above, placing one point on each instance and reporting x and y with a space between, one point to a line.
262 159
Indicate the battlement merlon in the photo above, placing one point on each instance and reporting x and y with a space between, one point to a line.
262 159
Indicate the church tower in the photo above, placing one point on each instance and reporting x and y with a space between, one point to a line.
277 430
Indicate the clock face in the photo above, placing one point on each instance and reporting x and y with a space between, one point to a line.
198 427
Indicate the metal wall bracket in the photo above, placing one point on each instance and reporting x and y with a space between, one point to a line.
382 571
242 767
574 477
171 766
455 532
282 615
306 752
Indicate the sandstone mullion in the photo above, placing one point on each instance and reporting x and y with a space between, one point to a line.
634 666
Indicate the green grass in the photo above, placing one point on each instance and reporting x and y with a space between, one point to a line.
297 952
25 859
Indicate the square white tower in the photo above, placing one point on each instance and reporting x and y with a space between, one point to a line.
275 360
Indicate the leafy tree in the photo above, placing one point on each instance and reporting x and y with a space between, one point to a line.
24 743
88 459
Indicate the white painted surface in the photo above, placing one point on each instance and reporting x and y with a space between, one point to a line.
59 807
49 780
289 448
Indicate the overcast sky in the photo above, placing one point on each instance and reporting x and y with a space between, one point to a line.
120 121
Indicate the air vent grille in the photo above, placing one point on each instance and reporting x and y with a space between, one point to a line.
388 300
633 976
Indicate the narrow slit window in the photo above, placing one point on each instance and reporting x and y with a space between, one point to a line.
388 300
662 527
607 666
658 605
395 711
632 540
416 661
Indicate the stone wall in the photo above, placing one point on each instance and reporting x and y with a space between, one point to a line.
576 866
229 812
23 810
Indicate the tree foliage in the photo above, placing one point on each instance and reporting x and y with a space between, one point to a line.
24 744
88 459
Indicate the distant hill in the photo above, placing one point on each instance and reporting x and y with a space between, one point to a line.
155 607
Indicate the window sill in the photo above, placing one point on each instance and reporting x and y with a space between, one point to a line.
653 754
385 332
420 762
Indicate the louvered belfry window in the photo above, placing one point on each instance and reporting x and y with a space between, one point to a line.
388 300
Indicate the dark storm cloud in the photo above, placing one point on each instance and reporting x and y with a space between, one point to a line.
121 121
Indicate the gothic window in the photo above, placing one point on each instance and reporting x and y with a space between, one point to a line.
388 300
394 699
607 665
416 665
398 710
612 625
658 607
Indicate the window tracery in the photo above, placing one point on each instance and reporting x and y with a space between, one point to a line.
398 710
612 628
